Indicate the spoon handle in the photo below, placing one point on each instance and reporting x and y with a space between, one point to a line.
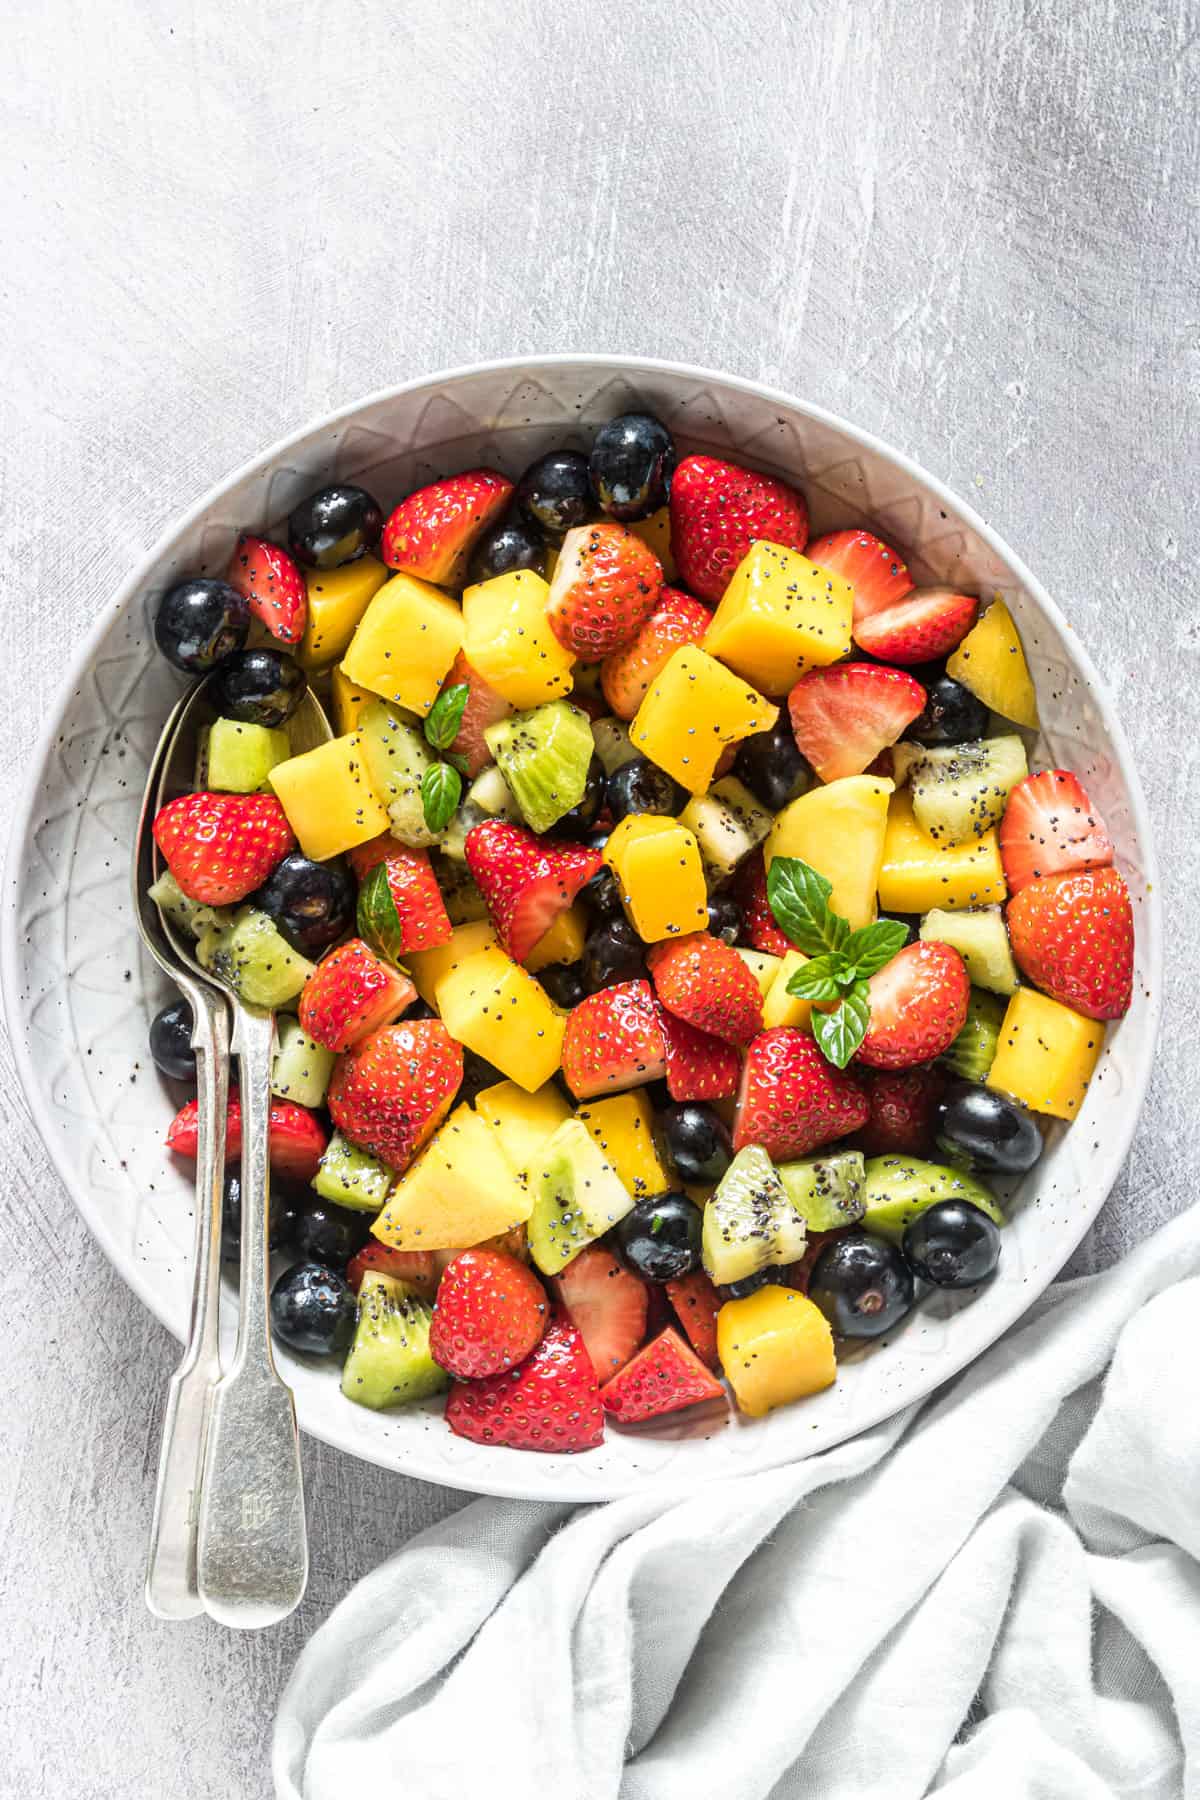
252 1552
171 1590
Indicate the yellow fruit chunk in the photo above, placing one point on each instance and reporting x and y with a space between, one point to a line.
328 798
496 1008
624 1129
779 616
348 702
991 662
459 1191
657 865
408 638
655 533
782 1008
522 1122
695 707
838 830
774 1346
563 943
428 966
919 875
337 600
762 966
1047 1054
508 639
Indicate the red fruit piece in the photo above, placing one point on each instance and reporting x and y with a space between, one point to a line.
749 889
1072 936
607 1303
918 1006
796 1275
490 1312
902 1103
1049 828
697 1303
873 569
613 1041
606 584
364 857
432 532
699 1066
549 1402
791 1100
401 909
928 624
417 1268
484 707
662 1378
392 1091
704 982
351 993
843 717
273 585
718 510
626 675
297 1138
525 880
220 847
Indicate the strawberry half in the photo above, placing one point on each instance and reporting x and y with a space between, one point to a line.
1049 828
549 1402
525 880
791 1100
392 1091
718 510
626 675
697 1303
296 1137
400 905
842 717
416 1268
490 1312
220 847
365 857
873 569
606 584
759 925
928 624
432 533
613 1041
902 1103
1072 936
484 707
918 1006
704 982
272 584
699 1066
607 1303
664 1377
351 993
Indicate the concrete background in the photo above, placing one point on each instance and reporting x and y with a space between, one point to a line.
971 227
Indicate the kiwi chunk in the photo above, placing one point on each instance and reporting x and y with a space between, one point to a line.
235 758
827 1190
959 791
981 940
973 1051
254 959
578 1197
300 1068
751 1221
488 797
352 1177
389 1362
190 914
899 1188
543 755
727 823
397 756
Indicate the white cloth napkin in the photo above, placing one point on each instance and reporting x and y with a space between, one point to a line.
997 1593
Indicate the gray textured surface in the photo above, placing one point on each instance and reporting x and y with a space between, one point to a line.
971 228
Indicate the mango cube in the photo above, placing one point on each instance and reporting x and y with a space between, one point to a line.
655 533
459 1191
427 967
775 1346
328 798
496 1008
349 701
522 1122
990 662
624 1129
694 708
563 943
782 1008
762 966
918 875
337 600
779 616
838 830
509 641
657 864
1047 1055
404 646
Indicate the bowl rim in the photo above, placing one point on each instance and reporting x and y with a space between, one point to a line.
564 1486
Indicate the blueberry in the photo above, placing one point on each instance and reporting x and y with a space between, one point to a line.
978 1127
772 767
564 983
200 621
311 903
632 461
661 1237
952 714
602 896
697 1141
953 1245
555 492
282 1216
750 1284
335 525
862 1284
613 952
330 1234
640 786
725 918
171 1041
313 1309
478 1074
259 687
579 821
513 544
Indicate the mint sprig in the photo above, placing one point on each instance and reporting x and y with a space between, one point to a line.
841 961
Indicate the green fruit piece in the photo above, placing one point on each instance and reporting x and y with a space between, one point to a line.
235 758
981 939
750 1222
899 1188
578 1197
728 824
959 791
973 1051
190 914
352 1177
389 1362
301 1068
488 797
611 739
397 756
543 755
826 1190
254 959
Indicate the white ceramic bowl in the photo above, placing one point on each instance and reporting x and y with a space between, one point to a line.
80 992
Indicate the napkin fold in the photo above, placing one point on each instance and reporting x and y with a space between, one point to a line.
995 1592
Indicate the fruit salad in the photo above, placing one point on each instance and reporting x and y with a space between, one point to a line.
675 957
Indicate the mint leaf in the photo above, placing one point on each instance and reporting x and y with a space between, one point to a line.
840 1032
445 716
799 898
869 949
821 978
441 787
457 762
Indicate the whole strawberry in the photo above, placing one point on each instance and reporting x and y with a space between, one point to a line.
698 1066
662 1378
432 532
918 1006
392 1091
706 983
718 510
220 847
272 583
525 880
490 1312
549 1402
626 675
400 905
1072 936
296 1137
606 584
613 1041
791 1100
351 993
